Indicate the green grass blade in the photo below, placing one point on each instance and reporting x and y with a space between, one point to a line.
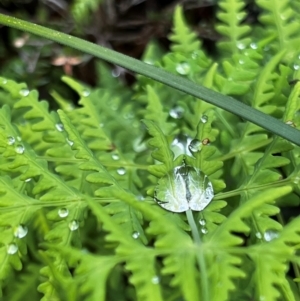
225 102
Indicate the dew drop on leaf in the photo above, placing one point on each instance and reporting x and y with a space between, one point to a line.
240 45
195 146
59 127
20 149
73 225
121 171
86 93
270 235
70 142
185 187
115 157
63 212
20 231
204 230
155 280
202 222
135 235
11 140
176 112
24 92
183 68
28 180
204 118
258 235
253 46
12 249
296 66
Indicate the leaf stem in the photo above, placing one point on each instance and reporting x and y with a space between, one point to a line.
199 255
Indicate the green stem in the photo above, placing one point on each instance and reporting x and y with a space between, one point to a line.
178 82
199 255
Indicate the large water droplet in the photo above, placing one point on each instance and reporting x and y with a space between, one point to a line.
59 127
202 222
180 145
20 231
73 225
20 149
11 140
121 171
177 112
63 212
204 118
184 188
270 235
204 230
12 249
155 280
115 157
86 93
28 180
24 92
135 235
183 68
195 146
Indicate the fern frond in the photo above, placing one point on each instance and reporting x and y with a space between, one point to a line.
236 33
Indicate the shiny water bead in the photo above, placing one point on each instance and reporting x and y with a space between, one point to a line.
59 127
86 93
155 280
11 140
73 225
195 146
20 149
24 92
204 230
202 222
115 157
183 68
20 231
177 112
121 171
63 212
270 235
184 188
204 118
12 249
135 235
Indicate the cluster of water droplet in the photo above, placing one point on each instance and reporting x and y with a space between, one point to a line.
203 228
19 148
268 235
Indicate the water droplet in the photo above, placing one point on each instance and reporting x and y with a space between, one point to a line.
20 149
204 230
253 46
115 157
28 180
73 225
241 62
20 231
155 280
195 55
4 81
202 222
63 212
270 235
240 45
180 145
149 62
296 67
135 235
59 127
262 298
11 140
12 249
24 92
291 123
86 92
185 187
116 72
195 146
70 142
183 68
258 235
121 171
204 118
177 112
